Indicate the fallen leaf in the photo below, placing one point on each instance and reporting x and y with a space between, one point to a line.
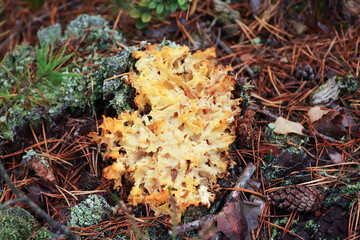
232 222
334 155
316 113
284 60
299 27
251 211
284 126
336 124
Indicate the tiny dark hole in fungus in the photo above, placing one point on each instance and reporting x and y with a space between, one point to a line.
146 110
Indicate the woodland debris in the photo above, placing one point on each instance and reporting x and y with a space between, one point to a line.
316 113
57 225
336 124
39 165
244 129
326 93
284 126
305 72
226 16
233 220
298 198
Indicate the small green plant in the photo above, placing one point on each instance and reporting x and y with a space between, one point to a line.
143 11
30 79
312 225
49 67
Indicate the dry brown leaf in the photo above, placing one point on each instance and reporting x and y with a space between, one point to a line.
232 222
316 113
299 27
284 126
284 60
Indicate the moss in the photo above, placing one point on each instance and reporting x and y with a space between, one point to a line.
312 225
80 83
17 224
12 71
89 212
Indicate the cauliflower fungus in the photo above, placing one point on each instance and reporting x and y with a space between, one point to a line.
180 134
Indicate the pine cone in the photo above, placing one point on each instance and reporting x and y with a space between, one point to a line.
300 198
244 128
305 72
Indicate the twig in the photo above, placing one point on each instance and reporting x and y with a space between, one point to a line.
243 180
327 138
241 183
229 51
62 228
8 203
263 111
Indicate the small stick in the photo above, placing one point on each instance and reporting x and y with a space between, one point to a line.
13 201
229 51
62 228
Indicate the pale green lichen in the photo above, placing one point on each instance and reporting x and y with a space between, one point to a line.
27 99
80 86
89 212
116 89
18 224
96 28
49 34
31 154
18 61
82 82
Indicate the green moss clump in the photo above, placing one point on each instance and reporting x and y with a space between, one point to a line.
13 71
17 224
28 95
89 212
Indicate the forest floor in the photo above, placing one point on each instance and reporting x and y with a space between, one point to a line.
299 63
